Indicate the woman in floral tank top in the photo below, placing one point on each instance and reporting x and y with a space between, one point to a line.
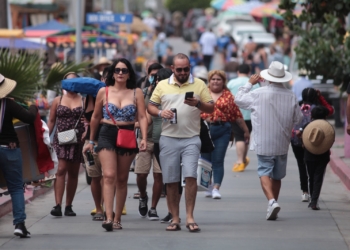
225 113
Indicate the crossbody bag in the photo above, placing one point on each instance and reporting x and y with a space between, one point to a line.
69 136
125 138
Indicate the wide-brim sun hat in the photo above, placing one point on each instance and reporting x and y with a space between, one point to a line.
318 137
6 86
103 61
276 73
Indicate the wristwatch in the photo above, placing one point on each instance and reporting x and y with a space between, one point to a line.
198 105
92 142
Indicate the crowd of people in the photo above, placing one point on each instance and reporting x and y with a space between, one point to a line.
156 122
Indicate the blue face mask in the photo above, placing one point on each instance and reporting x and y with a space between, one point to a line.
151 78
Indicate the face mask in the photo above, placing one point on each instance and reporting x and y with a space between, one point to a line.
151 78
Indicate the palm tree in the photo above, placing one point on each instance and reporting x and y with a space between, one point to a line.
28 71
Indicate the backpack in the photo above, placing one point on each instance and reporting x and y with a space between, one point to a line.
306 110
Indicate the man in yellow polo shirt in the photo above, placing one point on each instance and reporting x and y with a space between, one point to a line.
180 142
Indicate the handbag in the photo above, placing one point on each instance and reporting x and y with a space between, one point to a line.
69 136
207 143
125 138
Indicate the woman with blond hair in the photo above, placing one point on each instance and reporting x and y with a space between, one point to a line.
225 113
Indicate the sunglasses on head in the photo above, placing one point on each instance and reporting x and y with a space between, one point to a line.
179 70
123 70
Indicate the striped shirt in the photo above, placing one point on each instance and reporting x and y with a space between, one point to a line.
275 110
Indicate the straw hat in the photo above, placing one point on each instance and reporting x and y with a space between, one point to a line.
318 136
276 73
6 86
102 62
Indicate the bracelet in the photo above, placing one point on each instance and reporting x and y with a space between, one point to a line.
160 113
92 142
198 105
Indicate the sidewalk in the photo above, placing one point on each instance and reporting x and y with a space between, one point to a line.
236 221
339 164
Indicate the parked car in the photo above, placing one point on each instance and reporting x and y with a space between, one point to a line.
224 25
242 29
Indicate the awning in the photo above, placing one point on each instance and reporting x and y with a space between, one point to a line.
11 33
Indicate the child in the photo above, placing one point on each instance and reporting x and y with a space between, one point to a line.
318 137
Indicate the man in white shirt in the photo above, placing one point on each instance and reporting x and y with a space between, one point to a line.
301 84
208 44
274 111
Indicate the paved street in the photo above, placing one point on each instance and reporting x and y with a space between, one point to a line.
235 222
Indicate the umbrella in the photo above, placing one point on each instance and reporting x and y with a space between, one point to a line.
45 29
137 26
17 43
245 8
225 4
272 10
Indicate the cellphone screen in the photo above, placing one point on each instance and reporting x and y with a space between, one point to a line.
188 95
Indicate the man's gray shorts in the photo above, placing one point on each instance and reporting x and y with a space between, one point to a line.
173 152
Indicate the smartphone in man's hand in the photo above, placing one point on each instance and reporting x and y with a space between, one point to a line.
189 95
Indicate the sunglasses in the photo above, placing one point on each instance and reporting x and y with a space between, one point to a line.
179 70
123 70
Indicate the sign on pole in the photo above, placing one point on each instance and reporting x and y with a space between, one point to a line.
101 18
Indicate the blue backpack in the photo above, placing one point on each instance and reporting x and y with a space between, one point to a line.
306 110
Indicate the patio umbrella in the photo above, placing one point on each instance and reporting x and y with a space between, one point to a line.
265 10
225 4
18 43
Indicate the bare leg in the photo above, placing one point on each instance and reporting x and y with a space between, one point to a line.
267 186
141 181
240 150
157 188
60 180
190 195
108 161
173 200
96 190
72 182
123 167
276 187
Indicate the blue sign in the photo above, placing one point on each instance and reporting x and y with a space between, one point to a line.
100 18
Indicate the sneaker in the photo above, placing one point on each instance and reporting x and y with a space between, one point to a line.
143 208
152 214
56 210
238 167
273 210
21 231
167 218
305 197
68 211
216 194
209 193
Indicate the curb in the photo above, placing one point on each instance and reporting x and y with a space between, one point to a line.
6 207
340 168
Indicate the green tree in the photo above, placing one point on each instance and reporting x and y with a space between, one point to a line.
324 47
185 5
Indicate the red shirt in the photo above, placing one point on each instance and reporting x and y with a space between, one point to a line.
225 109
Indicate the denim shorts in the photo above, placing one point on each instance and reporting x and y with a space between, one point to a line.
107 140
273 166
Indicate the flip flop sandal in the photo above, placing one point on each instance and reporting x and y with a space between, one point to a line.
176 225
194 230
117 225
98 217
108 225
137 195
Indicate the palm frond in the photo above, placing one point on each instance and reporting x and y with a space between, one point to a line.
55 75
25 69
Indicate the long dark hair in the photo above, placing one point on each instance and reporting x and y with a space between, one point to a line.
130 83
310 96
